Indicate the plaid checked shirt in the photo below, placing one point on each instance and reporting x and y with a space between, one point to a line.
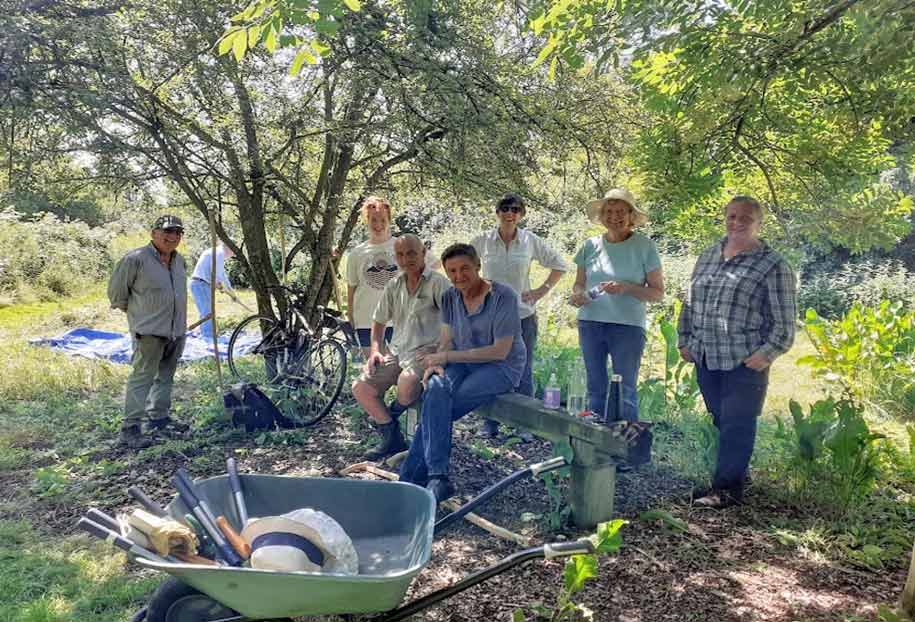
738 306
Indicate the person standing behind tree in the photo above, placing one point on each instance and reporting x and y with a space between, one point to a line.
150 285
507 253
369 267
738 317
200 283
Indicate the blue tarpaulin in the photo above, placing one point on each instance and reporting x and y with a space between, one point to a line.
117 347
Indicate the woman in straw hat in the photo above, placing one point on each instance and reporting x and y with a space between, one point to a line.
618 272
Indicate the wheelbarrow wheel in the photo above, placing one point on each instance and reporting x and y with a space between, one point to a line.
175 601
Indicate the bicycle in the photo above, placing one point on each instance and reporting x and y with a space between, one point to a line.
303 368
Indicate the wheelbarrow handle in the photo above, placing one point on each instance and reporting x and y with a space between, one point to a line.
529 471
546 551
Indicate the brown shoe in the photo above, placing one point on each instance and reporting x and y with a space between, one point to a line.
132 438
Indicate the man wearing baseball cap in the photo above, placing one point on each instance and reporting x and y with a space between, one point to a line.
150 285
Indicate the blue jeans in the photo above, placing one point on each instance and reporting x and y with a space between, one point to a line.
624 343
201 293
529 335
735 399
447 398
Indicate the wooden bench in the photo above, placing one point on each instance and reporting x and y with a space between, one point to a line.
595 449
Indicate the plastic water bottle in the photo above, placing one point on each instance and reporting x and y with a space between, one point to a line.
596 292
551 393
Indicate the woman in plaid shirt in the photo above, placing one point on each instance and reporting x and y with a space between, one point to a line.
738 317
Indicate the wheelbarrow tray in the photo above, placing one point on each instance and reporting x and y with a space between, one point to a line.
390 524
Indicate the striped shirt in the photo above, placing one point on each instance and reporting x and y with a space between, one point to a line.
738 306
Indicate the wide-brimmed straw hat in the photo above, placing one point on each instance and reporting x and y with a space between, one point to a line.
639 216
285 544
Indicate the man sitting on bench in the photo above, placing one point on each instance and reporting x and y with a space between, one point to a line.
412 301
480 355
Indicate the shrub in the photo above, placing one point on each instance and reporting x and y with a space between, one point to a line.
833 455
869 353
832 293
52 257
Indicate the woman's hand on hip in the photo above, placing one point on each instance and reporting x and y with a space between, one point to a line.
532 296
686 356
757 361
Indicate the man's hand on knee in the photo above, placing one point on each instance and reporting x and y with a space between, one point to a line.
374 360
431 371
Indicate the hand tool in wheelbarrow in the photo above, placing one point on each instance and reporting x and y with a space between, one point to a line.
104 533
189 496
237 493
146 501
532 471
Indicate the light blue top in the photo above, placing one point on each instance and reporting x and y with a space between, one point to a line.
630 260
204 267
497 317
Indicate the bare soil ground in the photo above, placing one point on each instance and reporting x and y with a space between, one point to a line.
727 565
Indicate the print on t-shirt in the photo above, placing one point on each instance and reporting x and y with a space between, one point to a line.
378 271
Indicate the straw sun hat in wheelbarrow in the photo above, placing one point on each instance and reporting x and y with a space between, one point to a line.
639 216
303 540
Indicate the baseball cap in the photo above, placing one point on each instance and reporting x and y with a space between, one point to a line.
168 222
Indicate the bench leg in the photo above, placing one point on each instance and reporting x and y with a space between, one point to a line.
592 485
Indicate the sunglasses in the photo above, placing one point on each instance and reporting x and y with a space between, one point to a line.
515 209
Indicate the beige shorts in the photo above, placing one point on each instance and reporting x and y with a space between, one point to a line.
385 375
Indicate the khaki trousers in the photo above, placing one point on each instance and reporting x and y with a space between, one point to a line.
149 387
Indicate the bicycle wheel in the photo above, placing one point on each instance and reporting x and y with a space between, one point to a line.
259 350
309 388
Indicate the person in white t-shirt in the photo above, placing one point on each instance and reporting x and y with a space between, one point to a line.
369 267
200 283
507 253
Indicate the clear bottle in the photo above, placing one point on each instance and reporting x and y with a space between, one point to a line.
551 393
596 292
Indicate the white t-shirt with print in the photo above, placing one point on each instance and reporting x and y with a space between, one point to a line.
369 267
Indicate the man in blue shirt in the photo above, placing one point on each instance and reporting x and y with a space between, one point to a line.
200 283
480 355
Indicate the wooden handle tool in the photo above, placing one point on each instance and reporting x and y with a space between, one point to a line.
238 543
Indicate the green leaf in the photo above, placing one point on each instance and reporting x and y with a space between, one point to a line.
270 41
301 57
327 27
578 569
518 616
667 519
353 5
254 35
225 44
607 539
239 45
320 48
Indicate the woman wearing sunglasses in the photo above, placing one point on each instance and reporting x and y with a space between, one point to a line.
507 252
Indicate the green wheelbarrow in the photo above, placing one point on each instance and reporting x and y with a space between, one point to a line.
391 524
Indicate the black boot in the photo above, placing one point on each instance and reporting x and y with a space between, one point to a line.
441 488
391 443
